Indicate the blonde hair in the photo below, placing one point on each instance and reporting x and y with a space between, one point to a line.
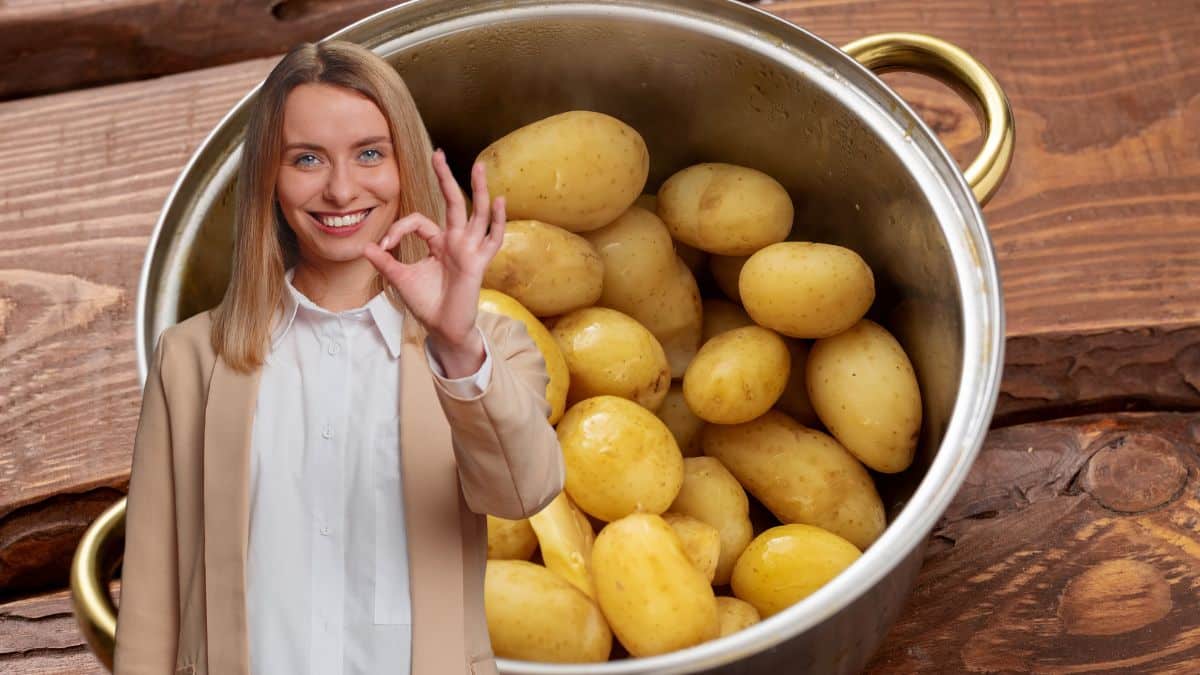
265 246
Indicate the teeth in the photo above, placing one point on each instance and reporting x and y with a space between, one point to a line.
343 221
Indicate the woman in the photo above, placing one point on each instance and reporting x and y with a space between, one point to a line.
316 454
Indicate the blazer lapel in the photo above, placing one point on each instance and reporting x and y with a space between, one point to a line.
228 422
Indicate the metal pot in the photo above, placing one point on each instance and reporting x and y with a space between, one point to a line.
709 80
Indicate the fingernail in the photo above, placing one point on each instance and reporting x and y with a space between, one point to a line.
383 243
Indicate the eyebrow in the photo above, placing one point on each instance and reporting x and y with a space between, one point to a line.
370 140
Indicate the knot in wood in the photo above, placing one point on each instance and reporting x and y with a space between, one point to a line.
1134 472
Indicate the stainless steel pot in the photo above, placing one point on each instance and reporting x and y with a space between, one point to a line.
708 80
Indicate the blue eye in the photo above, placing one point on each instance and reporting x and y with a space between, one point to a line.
371 158
302 160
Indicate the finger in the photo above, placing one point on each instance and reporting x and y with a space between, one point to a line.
456 211
391 269
495 237
414 222
480 197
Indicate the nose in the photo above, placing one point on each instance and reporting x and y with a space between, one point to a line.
340 185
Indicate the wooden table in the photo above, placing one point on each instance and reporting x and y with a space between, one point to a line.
1075 543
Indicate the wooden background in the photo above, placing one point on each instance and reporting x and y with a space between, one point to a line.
1074 545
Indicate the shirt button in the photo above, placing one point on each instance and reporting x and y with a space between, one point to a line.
327 431
325 531
334 348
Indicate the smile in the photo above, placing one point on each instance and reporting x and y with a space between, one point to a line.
342 225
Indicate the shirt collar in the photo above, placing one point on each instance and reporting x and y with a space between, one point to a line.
388 319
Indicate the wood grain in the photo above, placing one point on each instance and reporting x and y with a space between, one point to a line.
1074 546
39 636
108 41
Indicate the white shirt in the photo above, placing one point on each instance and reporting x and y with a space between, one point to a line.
327 570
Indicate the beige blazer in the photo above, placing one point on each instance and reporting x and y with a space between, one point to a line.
183 594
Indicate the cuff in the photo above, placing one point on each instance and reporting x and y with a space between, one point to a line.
470 386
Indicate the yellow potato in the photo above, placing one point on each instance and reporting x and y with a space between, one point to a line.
735 615
737 376
535 615
556 365
863 388
510 539
637 253
806 290
795 401
620 458
608 352
545 268
720 316
711 494
800 474
673 312
682 422
788 563
654 598
725 209
578 169
701 541
565 537
725 271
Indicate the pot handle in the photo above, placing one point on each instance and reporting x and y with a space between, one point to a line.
92 568
950 64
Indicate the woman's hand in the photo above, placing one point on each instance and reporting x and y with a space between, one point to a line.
442 290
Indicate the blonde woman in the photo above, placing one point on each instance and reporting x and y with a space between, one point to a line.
316 454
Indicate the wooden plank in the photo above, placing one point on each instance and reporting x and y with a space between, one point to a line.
39 636
107 41
1073 547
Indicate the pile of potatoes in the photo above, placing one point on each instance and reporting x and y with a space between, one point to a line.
670 407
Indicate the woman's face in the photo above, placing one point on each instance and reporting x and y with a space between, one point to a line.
338 183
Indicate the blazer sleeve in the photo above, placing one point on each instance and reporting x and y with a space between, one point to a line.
148 617
509 461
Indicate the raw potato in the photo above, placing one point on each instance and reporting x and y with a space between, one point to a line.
735 615
578 169
800 474
720 316
682 422
711 494
788 563
725 209
556 365
806 290
863 388
565 537
510 539
620 458
737 376
535 615
701 541
637 253
725 271
673 312
795 401
608 352
654 598
546 268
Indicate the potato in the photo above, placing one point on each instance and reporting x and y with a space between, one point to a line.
682 422
620 458
725 209
556 365
806 290
510 539
711 494
637 253
647 201
863 388
795 401
701 541
720 316
800 474
672 312
788 563
654 598
725 271
565 537
735 615
534 615
545 268
578 169
607 352
737 376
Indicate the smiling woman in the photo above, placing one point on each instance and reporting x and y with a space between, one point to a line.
309 486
